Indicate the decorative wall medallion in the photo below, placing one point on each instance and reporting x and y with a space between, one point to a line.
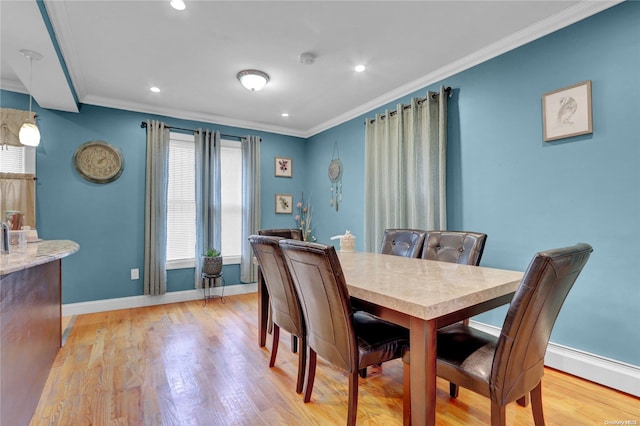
98 162
335 176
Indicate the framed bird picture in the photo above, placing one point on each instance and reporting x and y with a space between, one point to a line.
566 112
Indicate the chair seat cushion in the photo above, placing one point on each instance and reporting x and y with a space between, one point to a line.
378 340
465 356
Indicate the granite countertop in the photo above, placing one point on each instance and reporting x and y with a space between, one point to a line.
37 253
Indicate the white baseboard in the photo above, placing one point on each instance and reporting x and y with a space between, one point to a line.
611 373
80 308
595 368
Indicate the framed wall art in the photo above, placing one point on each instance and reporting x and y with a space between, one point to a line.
566 112
284 203
283 167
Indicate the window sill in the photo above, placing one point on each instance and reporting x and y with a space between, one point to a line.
191 263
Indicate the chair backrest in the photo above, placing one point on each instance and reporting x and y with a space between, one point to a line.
292 234
286 310
518 364
402 242
317 275
454 246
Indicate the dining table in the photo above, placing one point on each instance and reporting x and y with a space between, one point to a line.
422 295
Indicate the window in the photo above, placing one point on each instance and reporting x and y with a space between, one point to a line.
17 159
231 181
181 203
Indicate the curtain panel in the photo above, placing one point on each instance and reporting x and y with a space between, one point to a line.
250 205
405 168
155 227
208 196
18 193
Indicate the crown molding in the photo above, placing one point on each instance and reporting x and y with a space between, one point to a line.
566 17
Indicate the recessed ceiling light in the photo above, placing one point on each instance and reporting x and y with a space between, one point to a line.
155 89
360 68
285 114
178 4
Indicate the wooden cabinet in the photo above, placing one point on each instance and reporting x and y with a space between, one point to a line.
30 327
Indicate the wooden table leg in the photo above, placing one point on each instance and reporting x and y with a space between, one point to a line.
263 309
423 372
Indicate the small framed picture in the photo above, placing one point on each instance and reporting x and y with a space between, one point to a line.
566 112
284 203
283 167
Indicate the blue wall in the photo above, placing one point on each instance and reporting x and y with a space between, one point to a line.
529 195
108 220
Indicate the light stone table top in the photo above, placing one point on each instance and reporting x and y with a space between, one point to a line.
35 254
422 288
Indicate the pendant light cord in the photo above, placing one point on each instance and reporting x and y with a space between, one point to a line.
30 83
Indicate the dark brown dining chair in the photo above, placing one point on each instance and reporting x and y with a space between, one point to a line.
402 242
286 312
289 233
509 367
349 340
460 247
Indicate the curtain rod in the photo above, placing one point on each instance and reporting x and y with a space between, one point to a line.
392 113
144 126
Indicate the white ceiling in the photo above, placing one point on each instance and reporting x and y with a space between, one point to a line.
114 51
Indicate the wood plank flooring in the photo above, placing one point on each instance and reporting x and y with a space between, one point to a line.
185 364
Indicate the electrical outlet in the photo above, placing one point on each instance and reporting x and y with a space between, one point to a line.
135 274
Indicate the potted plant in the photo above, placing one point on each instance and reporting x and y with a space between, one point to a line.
212 262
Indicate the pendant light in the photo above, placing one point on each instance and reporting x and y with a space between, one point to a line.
253 80
29 133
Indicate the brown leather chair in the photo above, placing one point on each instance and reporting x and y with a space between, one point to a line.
402 242
291 234
286 312
349 340
509 367
461 247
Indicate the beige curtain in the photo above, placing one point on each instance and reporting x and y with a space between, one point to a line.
10 122
208 196
18 193
155 211
405 168
250 205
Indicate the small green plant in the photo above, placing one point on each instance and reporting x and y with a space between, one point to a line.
211 252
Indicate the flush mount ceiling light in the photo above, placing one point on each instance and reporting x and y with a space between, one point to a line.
178 4
253 80
29 133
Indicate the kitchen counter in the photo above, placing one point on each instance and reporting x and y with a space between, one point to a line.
36 254
30 325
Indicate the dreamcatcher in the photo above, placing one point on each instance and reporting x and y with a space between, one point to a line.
335 176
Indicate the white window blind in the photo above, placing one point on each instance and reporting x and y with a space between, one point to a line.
181 199
17 159
181 206
231 181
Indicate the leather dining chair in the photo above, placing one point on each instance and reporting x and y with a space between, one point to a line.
286 312
348 339
402 242
460 247
509 367
289 233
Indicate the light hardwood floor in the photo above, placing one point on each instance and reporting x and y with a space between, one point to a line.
185 364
